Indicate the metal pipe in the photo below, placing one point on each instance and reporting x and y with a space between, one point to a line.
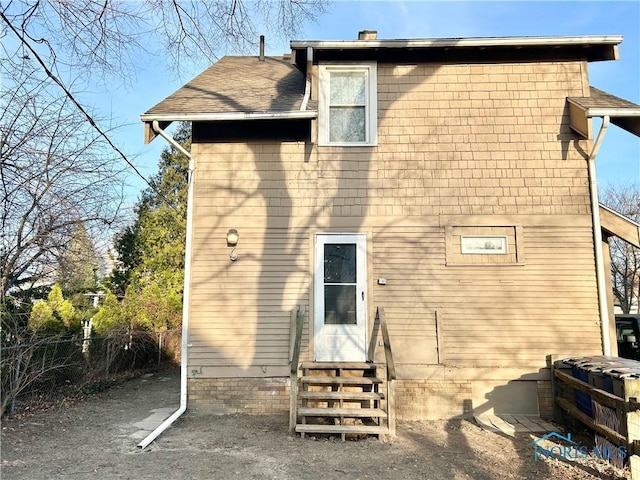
597 241
261 58
307 86
186 294
156 128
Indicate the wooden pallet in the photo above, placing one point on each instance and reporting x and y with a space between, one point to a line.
512 424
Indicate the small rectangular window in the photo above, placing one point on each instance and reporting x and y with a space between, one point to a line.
484 244
348 100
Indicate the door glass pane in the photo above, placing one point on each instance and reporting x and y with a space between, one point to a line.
340 263
340 305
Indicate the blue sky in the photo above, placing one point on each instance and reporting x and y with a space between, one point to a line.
619 158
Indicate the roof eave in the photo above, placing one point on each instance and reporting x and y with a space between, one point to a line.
626 118
591 48
212 117
167 118
460 42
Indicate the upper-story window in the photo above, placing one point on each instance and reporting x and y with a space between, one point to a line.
347 101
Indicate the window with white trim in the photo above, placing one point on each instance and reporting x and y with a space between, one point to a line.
347 102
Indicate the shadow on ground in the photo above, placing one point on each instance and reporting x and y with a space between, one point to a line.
97 438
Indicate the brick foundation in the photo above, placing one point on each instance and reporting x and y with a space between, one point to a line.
415 399
431 400
254 396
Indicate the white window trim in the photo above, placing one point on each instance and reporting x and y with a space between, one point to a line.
371 93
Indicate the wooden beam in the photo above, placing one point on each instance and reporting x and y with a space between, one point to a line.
295 355
613 336
620 226
606 432
150 134
439 342
391 407
603 398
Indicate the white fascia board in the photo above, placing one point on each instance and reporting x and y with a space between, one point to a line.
613 112
460 42
203 117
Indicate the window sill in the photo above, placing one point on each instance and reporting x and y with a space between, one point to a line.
349 145
457 264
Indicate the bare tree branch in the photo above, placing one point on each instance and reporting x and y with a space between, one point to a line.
625 258
58 163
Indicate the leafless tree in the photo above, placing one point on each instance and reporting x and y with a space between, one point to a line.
59 163
108 37
55 173
625 258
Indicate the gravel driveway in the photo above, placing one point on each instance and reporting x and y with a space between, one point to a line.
96 438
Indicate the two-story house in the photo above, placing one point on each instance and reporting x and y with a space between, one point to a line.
445 182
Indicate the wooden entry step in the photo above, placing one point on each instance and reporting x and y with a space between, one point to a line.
341 398
350 381
342 429
343 412
346 396
338 366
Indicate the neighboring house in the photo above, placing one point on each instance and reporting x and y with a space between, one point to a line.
446 181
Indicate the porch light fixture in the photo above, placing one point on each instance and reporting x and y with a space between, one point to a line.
232 241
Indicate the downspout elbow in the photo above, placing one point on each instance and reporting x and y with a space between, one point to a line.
156 128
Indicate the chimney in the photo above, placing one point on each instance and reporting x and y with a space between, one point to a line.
261 58
368 35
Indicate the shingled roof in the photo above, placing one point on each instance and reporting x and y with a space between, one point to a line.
604 100
236 85
622 113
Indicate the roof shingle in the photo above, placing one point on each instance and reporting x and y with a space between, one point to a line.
238 85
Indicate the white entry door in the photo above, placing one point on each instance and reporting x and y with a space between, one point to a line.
340 303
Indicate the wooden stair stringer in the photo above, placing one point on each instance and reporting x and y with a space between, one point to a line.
341 399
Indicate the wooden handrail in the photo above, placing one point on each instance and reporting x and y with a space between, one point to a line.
295 357
391 371
391 368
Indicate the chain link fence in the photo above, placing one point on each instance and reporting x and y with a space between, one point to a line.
42 371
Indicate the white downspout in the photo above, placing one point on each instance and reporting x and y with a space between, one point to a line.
307 84
186 294
597 240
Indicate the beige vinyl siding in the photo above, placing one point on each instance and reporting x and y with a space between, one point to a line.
412 262
521 314
240 311
490 315
458 146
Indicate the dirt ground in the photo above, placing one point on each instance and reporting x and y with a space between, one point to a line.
97 437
